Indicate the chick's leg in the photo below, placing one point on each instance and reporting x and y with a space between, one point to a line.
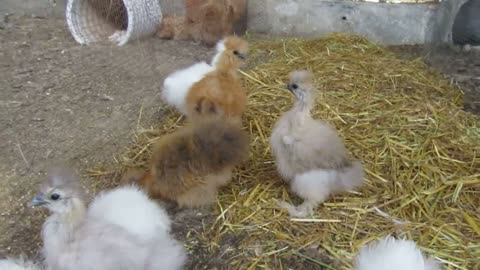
300 211
118 37
314 187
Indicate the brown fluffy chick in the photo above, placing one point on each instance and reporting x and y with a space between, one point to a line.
205 21
216 21
309 153
181 27
190 164
173 27
193 7
217 18
221 91
198 14
239 9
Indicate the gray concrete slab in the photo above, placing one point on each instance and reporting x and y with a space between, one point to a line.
382 23
389 24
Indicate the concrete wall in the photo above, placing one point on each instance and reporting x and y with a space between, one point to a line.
382 23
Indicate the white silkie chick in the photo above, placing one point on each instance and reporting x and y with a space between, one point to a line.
18 264
309 153
77 238
393 254
130 208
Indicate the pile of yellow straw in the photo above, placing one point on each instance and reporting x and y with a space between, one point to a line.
421 154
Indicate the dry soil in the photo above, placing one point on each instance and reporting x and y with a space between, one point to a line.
61 102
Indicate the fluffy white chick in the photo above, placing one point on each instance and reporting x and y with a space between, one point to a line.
76 239
177 84
130 208
393 254
309 153
18 264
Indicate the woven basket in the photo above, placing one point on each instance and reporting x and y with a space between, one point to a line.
119 21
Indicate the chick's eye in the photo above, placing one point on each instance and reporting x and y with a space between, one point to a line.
54 196
294 86
235 52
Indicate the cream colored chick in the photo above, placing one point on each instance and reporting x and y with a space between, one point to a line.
309 153
393 254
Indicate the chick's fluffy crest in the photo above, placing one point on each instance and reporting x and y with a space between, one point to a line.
236 43
301 77
305 81
63 178
230 43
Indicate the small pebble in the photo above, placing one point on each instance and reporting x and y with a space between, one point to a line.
107 98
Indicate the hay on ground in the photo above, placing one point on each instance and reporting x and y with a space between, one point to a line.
421 154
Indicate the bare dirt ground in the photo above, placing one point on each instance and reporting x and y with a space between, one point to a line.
63 102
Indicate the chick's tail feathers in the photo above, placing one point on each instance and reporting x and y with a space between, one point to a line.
393 254
130 208
178 84
317 185
349 177
167 254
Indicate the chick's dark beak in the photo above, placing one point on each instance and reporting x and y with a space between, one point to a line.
38 200
289 87
242 56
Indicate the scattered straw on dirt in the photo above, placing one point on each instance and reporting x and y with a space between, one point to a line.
421 154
